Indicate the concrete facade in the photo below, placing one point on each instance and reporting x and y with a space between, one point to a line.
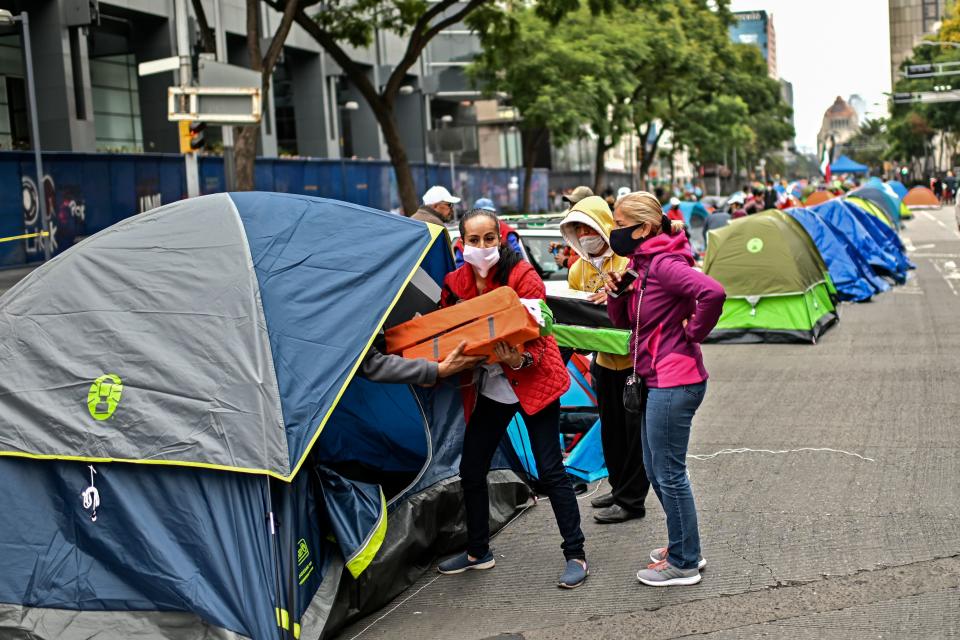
910 21
91 98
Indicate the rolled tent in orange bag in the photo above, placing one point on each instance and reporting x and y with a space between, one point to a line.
481 322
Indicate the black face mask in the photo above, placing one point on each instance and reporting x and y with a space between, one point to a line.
622 241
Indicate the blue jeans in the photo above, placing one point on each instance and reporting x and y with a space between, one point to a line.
665 433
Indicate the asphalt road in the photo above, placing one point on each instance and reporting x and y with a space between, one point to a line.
859 542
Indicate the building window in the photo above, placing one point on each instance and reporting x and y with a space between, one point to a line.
116 103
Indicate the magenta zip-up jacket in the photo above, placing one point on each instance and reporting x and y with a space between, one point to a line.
669 353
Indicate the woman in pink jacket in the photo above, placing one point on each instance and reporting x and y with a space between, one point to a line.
670 309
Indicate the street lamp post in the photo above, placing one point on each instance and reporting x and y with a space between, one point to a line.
7 18
350 105
407 90
447 120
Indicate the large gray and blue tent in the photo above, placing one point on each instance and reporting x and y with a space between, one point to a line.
185 450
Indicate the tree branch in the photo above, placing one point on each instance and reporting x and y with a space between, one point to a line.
419 39
279 38
207 36
253 35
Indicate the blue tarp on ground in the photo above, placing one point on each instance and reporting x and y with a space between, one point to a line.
585 460
850 274
843 164
848 221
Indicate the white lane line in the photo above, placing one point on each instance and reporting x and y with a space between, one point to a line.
722 452
942 223
946 277
928 216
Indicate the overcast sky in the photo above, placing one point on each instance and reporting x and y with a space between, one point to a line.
829 48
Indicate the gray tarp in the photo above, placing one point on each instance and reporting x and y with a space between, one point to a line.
181 328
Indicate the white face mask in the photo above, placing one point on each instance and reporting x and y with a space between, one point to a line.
482 260
593 245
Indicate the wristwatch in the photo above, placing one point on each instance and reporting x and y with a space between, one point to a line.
525 362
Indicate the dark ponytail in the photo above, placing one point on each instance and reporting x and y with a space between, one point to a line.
508 257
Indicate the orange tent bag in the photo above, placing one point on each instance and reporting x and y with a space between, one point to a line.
482 322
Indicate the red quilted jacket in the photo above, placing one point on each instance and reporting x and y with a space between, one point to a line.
547 379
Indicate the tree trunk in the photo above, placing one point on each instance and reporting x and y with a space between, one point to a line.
600 167
646 161
245 153
530 143
406 187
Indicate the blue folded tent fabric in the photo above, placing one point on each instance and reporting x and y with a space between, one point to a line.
888 240
848 221
847 268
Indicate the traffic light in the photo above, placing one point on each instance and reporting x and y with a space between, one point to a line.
196 135
191 136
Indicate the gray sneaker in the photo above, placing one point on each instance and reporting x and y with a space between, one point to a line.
664 574
659 555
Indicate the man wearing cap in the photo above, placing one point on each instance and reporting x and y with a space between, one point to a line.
577 195
437 206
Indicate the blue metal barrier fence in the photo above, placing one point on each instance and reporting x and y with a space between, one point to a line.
87 192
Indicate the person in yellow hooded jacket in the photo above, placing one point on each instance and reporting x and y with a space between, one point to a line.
586 229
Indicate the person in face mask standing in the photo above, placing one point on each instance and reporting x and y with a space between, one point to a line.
586 229
529 380
670 309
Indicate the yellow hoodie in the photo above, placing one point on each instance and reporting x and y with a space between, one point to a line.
587 273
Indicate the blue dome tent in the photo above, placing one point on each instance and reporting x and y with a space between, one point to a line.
186 448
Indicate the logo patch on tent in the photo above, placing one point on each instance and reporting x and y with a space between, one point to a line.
104 396
754 245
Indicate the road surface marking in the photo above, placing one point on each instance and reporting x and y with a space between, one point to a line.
947 277
708 456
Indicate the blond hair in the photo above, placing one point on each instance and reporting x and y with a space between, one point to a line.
642 206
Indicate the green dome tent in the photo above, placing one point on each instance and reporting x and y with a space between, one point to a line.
778 288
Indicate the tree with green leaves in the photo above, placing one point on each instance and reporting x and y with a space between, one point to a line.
340 25
544 78
869 145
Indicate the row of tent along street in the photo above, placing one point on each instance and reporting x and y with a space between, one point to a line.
785 271
205 459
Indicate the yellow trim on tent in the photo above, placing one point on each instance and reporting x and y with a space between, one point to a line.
435 231
363 556
283 621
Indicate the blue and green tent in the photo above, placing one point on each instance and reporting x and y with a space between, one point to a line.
185 446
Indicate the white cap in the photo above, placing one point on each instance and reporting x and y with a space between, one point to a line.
674 201
438 194
622 191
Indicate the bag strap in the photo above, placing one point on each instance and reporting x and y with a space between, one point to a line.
636 331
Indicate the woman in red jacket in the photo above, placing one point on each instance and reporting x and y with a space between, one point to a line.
529 380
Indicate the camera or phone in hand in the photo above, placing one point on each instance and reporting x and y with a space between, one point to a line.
627 278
